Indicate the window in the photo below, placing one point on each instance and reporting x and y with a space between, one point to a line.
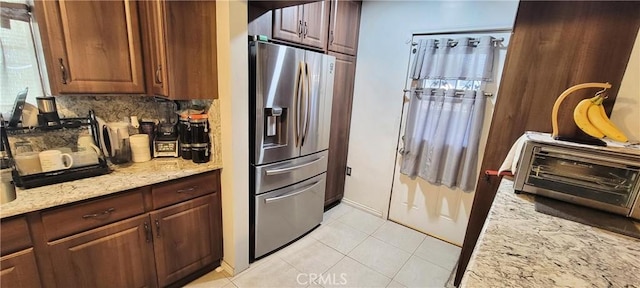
19 64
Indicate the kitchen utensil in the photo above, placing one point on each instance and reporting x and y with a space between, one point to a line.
6 157
7 189
28 163
18 106
140 148
116 141
122 154
52 160
149 128
166 140
48 116
84 157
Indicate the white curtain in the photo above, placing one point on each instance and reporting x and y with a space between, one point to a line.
443 127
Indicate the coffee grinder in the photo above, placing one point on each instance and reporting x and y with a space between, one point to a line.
47 112
165 143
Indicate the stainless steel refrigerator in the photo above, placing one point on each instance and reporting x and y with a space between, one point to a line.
290 92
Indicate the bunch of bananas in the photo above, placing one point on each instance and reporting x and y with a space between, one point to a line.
591 118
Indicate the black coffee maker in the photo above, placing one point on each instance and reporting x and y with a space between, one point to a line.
165 143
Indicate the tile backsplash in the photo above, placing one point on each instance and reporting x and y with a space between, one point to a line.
111 109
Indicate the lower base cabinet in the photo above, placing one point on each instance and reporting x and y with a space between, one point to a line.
19 270
154 236
184 239
116 255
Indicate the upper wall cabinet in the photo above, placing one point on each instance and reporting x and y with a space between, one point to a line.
303 24
180 42
92 46
344 26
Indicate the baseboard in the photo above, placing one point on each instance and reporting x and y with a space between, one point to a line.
362 207
227 268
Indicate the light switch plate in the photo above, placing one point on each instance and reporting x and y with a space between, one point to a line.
348 171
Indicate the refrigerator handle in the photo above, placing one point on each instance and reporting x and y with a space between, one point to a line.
296 104
307 104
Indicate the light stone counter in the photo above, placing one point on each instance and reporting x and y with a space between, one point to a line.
120 179
519 247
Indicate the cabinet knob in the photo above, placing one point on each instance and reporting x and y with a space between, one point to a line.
300 29
157 228
63 71
147 231
331 37
103 213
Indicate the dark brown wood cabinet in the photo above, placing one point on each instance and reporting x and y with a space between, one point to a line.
153 236
340 126
116 255
92 46
18 264
185 238
180 48
344 26
303 24
19 270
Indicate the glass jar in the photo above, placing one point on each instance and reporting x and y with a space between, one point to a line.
200 152
199 127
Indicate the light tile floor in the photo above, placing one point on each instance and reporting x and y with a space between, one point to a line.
351 248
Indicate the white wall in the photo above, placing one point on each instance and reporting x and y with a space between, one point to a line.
383 55
233 79
626 110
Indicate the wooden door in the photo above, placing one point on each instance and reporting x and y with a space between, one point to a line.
19 270
116 255
92 46
314 23
344 26
340 123
154 31
288 24
187 237
554 46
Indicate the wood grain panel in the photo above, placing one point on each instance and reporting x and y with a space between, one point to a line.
186 238
172 192
340 126
554 46
191 49
287 24
14 235
76 218
315 22
116 255
19 270
92 46
344 26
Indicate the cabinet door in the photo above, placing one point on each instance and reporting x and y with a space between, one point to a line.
340 124
116 255
187 237
344 26
314 22
19 270
153 26
92 46
287 24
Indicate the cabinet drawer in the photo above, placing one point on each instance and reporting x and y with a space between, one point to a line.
172 192
72 219
14 235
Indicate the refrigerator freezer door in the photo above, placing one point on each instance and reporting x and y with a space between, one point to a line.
286 214
274 90
318 97
276 175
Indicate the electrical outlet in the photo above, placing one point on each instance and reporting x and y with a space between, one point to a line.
348 171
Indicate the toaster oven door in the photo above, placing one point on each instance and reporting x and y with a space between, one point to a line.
607 181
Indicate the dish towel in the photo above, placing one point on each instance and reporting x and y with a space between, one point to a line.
510 162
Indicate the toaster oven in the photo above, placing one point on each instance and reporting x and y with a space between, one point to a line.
600 178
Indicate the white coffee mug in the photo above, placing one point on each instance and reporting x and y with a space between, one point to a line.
28 163
84 157
52 160
86 141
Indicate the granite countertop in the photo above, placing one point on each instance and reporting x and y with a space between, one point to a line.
120 179
519 247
